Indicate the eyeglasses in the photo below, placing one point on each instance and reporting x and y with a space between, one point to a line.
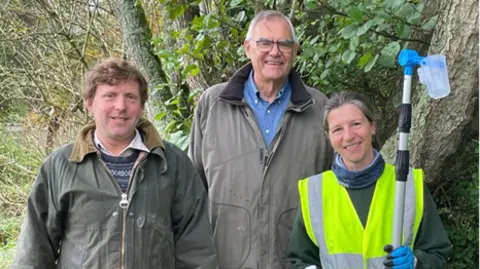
265 45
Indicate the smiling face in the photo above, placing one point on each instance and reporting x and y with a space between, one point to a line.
273 65
116 109
350 133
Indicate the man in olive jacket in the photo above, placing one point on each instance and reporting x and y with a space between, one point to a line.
119 196
252 139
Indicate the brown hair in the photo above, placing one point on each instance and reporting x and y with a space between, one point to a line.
113 71
356 99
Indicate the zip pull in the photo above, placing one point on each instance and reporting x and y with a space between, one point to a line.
124 202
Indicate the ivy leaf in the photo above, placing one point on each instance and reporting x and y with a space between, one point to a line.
354 41
404 31
235 3
348 56
324 73
371 63
210 22
197 23
391 48
234 32
355 14
384 15
176 11
311 4
405 10
393 4
386 60
383 26
377 20
334 47
170 127
430 24
240 16
364 59
364 28
349 31
344 3
314 40
160 115
191 69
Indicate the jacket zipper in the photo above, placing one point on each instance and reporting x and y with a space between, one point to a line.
123 205
126 202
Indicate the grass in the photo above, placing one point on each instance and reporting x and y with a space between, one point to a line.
6 257
9 229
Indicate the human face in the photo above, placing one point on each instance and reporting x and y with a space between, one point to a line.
273 65
116 109
350 133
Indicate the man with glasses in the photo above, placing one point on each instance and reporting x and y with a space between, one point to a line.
252 139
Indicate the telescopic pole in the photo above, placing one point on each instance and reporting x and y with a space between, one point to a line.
408 59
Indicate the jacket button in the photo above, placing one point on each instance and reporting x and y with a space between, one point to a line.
115 214
131 214
140 222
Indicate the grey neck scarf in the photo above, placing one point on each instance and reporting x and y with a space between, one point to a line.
358 179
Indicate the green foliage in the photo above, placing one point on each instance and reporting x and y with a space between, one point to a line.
210 44
179 120
339 43
457 200
18 166
341 39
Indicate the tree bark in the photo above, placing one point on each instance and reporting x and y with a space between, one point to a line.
137 36
439 127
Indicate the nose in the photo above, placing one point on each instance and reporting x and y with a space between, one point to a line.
274 51
120 103
348 134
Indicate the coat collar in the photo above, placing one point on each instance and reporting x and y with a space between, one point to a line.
233 91
84 142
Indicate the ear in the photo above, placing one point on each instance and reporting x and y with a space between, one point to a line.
374 128
296 48
88 103
247 47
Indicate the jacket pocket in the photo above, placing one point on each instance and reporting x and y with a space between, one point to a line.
71 256
232 234
161 246
282 232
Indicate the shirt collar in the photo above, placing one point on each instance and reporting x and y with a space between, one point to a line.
136 143
255 91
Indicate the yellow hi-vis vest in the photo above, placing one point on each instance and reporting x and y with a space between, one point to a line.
333 225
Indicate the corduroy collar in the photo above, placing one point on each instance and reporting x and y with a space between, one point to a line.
233 91
84 142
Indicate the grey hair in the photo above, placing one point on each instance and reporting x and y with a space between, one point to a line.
356 99
266 14
353 98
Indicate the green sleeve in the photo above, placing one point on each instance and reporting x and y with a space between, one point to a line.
432 245
42 230
301 252
194 246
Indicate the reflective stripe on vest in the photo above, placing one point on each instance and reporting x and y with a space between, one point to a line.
333 224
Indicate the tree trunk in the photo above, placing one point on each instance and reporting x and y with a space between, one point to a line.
180 23
137 37
439 127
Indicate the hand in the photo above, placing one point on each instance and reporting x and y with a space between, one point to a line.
400 258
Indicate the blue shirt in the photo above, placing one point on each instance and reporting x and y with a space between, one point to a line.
268 114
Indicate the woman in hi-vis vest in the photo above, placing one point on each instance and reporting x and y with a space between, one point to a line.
345 217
